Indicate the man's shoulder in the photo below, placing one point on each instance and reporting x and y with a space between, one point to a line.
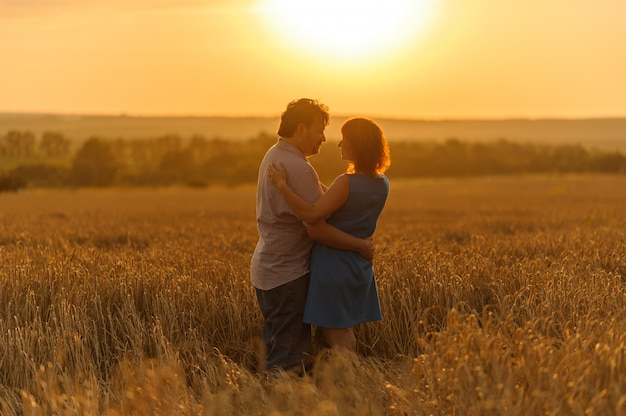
293 162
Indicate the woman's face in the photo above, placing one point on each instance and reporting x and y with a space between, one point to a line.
346 150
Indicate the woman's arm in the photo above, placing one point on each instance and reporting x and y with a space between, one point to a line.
329 202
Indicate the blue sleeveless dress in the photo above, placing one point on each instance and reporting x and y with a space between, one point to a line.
342 290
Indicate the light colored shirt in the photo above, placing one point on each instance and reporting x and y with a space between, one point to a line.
284 248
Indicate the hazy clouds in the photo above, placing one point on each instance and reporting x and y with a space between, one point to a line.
24 8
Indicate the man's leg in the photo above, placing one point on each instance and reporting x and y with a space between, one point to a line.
287 339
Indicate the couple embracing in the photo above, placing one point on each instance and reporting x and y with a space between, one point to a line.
313 262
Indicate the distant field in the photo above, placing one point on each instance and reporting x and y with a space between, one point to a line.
502 295
604 134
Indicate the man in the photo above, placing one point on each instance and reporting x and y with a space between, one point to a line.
280 263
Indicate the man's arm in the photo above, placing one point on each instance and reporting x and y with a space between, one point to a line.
329 235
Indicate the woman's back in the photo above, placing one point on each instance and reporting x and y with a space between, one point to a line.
366 200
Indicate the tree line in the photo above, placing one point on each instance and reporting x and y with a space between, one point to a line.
52 161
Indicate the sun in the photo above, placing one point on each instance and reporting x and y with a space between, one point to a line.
347 29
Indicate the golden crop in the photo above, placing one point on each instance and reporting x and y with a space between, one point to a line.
499 296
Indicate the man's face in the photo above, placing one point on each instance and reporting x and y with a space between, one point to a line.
313 138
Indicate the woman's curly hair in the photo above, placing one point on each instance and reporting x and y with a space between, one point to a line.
369 145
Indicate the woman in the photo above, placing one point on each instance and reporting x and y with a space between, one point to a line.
342 291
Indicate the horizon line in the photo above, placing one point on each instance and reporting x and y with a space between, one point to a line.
338 115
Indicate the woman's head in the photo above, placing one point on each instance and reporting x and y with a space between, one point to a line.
369 152
303 111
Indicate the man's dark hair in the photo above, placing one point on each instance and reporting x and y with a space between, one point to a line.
304 110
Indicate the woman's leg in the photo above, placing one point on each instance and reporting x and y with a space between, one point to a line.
336 337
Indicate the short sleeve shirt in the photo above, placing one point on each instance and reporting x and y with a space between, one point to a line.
283 250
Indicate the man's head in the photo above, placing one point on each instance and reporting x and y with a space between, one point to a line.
303 123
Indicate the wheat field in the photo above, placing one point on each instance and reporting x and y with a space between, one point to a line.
499 295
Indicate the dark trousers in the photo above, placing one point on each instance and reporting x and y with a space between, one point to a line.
287 339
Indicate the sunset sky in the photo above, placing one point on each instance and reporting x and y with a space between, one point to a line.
392 58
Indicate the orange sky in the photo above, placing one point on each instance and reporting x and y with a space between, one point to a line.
462 59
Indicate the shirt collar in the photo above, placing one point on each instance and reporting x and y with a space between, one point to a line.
283 145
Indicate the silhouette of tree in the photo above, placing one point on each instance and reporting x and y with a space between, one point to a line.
54 145
165 161
42 174
177 166
17 145
11 183
94 164
613 162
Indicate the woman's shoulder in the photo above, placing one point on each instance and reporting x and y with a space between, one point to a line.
342 180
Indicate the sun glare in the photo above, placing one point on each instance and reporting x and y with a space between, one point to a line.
347 29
